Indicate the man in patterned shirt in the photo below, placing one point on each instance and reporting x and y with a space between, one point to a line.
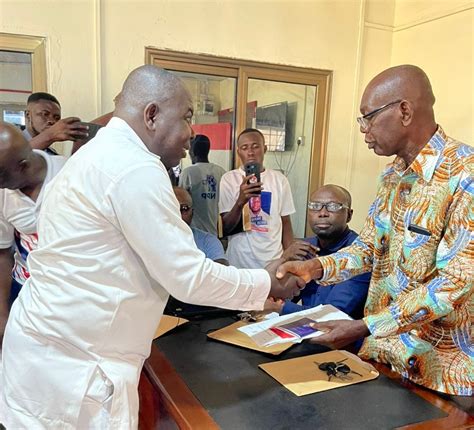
417 242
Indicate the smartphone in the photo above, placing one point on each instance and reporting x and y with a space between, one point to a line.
93 129
253 169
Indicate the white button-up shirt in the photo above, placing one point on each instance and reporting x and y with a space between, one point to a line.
112 246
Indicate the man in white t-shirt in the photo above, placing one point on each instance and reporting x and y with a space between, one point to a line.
270 205
23 175
202 182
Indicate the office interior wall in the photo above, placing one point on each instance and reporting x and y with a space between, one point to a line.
438 36
93 44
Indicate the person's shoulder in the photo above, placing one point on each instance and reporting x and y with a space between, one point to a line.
232 175
460 154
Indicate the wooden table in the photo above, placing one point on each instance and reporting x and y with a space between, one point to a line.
167 401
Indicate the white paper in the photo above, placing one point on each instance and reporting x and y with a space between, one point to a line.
261 334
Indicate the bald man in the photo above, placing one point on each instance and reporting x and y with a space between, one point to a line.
112 247
417 242
329 213
24 174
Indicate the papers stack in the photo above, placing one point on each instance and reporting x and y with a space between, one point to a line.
292 328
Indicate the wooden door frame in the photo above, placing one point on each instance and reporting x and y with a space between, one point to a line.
243 70
36 46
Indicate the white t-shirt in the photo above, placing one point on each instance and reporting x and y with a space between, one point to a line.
18 217
202 181
256 248
112 246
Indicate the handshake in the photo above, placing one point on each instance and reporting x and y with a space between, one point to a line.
290 277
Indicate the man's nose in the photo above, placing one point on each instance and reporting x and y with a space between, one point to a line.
323 213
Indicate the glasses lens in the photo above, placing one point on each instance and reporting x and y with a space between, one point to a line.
184 208
315 206
334 207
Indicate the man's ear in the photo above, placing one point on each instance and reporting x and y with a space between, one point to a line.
349 215
264 148
150 114
406 111
27 115
23 165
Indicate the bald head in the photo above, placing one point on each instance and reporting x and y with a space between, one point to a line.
158 107
338 193
397 108
15 154
144 85
406 82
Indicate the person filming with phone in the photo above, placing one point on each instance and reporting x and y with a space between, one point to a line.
44 125
255 205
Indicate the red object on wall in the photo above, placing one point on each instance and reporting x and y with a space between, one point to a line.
219 134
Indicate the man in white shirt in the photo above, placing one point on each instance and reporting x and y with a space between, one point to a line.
202 181
112 246
24 174
269 204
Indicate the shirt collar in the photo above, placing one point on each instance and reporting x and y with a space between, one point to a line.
426 161
122 126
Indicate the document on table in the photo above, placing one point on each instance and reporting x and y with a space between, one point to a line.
293 327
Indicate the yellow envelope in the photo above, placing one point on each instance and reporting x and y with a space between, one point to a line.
231 335
302 375
168 323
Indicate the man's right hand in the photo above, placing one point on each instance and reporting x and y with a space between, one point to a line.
248 190
284 287
67 129
307 270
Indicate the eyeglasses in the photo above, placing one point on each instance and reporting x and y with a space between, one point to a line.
184 208
330 206
364 120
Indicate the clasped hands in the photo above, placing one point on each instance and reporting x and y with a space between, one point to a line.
289 278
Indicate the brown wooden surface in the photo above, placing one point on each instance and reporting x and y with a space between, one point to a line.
174 395
456 419
188 413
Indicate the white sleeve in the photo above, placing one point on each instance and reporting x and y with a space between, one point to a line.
287 205
228 193
148 215
7 236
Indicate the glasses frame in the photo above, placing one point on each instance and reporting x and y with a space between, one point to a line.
183 208
325 206
364 120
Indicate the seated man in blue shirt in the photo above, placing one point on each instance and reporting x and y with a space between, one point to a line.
206 242
329 212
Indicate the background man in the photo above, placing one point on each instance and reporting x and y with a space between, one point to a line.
23 175
329 212
44 125
202 181
271 230
417 241
206 242
112 246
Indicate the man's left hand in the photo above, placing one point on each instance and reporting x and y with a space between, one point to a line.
340 333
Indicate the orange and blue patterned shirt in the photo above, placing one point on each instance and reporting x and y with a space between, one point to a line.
418 242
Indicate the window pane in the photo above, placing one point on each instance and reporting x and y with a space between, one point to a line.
214 114
283 112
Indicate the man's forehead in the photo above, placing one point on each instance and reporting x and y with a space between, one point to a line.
45 104
327 194
250 137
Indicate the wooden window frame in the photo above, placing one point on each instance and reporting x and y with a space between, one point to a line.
36 46
243 70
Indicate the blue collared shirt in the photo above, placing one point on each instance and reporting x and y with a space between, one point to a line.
348 296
